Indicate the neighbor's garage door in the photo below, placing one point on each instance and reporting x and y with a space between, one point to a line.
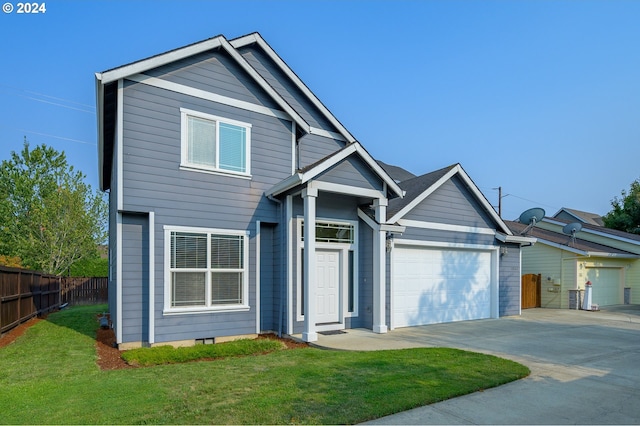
607 286
433 285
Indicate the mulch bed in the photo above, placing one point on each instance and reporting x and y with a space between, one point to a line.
11 335
108 355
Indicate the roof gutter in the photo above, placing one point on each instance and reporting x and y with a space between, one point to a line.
100 124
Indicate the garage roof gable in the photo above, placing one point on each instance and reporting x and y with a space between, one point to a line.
421 187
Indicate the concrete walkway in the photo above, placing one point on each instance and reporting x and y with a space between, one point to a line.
585 366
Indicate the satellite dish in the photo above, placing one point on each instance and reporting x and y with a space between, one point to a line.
531 217
572 229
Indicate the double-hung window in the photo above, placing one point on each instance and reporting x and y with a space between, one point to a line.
205 269
215 144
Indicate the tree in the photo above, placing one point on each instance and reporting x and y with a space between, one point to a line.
625 215
49 217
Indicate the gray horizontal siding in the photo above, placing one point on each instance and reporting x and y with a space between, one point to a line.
313 148
365 278
354 172
285 88
154 182
152 176
135 282
215 71
510 282
453 204
435 235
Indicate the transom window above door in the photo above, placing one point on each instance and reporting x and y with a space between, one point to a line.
216 144
328 232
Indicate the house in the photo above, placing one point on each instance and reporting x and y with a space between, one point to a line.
574 215
608 258
240 204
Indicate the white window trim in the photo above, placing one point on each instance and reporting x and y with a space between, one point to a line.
168 309
344 249
184 143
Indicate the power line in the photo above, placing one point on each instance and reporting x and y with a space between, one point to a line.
49 135
32 95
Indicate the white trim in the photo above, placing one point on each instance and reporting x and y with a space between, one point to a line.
367 219
520 284
168 309
258 241
119 315
152 277
256 38
326 133
289 263
184 143
346 189
446 227
120 145
100 126
159 60
293 148
344 249
184 52
519 239
392 301
208 96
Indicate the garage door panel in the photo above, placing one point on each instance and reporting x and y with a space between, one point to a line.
438 285
606 286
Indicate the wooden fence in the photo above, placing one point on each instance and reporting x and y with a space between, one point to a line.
25 294
83 291
531 291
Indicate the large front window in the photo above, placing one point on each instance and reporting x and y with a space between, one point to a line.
217 144
207 269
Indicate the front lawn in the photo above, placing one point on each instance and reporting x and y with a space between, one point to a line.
49 375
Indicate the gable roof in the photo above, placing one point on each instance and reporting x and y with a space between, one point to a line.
256 38
397 173
311 171
563 241
419 188
580 216
106 90
600 230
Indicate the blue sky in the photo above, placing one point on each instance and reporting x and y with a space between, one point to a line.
539 97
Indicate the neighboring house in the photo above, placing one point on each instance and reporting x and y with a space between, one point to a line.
239 204
610 259
573 215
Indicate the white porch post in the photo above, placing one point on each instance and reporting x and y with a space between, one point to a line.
379 268
309 196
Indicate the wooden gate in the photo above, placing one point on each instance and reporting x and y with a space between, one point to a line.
531 289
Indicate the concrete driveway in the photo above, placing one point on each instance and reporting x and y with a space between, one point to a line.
585 366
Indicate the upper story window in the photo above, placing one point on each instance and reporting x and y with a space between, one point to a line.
215 144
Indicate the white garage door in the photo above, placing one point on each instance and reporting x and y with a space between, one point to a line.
606 285
434 285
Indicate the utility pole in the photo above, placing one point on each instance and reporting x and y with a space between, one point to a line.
499 200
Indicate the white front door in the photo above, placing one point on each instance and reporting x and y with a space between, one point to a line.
328 281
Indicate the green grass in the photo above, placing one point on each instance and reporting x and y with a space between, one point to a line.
49 376
169 355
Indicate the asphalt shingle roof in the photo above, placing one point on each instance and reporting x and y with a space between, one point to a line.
564 239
